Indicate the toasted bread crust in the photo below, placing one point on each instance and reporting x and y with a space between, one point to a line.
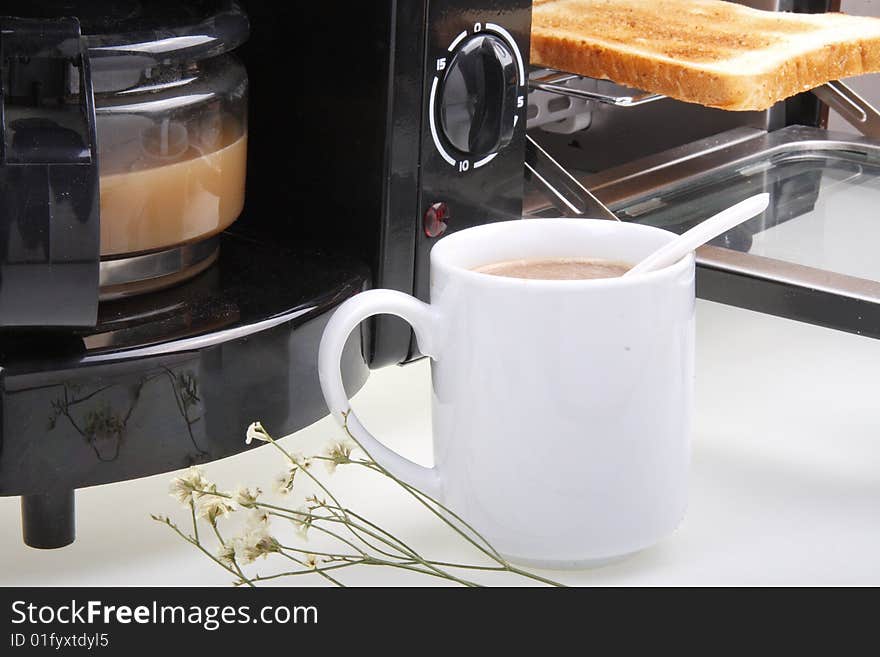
773 69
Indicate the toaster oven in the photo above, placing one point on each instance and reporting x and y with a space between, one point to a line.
809 257
368 136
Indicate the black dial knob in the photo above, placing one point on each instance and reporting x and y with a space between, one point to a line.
478 97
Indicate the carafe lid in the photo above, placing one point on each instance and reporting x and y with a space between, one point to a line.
161 31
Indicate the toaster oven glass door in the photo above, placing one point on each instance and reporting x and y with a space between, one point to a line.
812 256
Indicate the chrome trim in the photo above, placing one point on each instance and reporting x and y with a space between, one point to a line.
119 271
194 343
857 111
575 200
683 166
664 166
554 82
152 270
789 273
702 157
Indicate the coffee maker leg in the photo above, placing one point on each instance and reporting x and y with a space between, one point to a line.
48 520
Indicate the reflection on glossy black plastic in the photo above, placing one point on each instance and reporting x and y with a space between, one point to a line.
153 31
172 379
100 413
49 230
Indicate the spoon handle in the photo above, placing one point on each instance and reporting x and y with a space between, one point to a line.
703 232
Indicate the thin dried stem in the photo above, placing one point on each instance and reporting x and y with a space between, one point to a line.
371 543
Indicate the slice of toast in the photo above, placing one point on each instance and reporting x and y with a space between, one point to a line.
710 52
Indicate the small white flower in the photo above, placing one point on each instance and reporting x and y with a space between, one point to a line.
302 520
284 481
255 543
226 555
258 519
311 561
301 461
188 486
212 506
256 432
338 454
315 503
246 497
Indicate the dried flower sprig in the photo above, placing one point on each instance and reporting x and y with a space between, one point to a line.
356 540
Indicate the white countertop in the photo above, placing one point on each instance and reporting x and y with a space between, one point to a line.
785 480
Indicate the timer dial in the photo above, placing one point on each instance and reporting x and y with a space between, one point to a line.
478 96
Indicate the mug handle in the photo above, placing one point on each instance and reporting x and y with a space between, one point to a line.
347 317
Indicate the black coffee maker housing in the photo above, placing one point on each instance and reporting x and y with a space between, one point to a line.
373 130
407 126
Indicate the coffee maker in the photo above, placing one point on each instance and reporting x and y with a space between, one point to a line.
155 299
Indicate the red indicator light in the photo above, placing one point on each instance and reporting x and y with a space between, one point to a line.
435 219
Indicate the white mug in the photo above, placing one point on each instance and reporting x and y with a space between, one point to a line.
561 408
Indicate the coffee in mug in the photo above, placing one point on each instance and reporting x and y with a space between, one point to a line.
556 269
